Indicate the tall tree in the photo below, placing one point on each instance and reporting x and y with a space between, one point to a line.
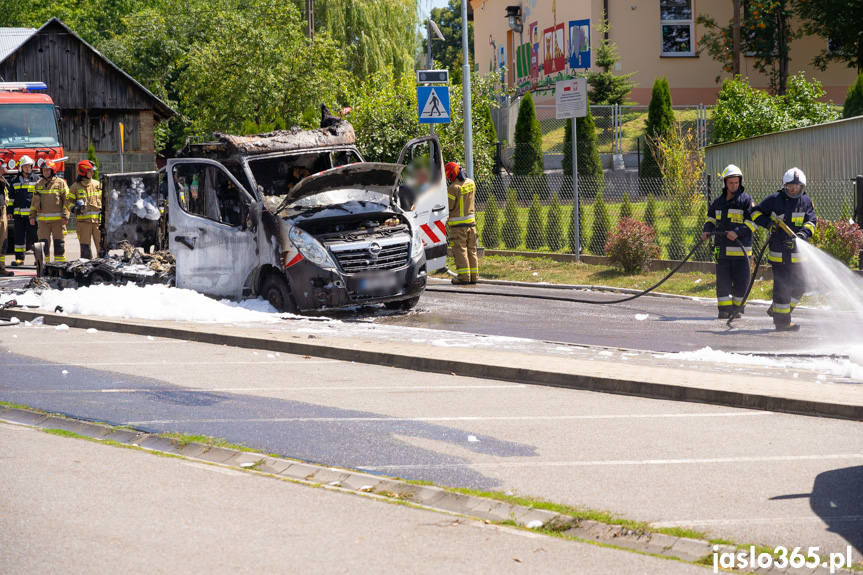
449 52
528 160
766 33
840 24
660 120
607 88
854 99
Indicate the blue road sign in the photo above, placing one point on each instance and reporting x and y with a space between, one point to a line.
433 104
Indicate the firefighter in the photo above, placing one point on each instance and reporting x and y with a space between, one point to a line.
24 183
790 215
49 209
85 201
5 192
462 224
731 215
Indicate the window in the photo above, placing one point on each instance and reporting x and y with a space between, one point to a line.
206 190
677 27
28 125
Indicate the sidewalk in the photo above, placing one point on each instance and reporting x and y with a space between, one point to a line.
73 506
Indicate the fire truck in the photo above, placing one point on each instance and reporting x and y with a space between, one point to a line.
28 126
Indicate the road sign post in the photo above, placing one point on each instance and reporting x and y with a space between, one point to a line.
570 99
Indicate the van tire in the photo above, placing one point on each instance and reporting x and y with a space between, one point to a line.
403 305
275 290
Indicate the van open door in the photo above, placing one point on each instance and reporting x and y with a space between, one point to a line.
133 211
424 174
210 232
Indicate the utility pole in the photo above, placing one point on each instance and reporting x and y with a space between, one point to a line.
735 40
310 19
430 62
465 84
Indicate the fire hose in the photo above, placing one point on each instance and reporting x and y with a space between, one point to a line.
625 299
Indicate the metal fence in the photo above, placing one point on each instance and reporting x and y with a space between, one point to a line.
535 213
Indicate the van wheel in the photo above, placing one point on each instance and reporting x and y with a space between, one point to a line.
99 277
275 290
403 305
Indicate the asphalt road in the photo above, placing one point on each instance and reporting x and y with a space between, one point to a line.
137 513
744 475
672 324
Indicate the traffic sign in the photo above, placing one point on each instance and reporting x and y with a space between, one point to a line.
433 104
432 76
570 98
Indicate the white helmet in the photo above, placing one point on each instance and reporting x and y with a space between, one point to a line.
730 171
794 176
25 161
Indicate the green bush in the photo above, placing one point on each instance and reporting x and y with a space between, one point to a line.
491 224
841 239
601 226
660 119
527 158
512 230
625 207
535 236
554 236
632 245
587 140
854 100
91 155
571 231
650 212
677 233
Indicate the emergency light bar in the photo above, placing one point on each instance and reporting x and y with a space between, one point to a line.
22 86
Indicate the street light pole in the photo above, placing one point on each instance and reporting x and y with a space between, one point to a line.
465 83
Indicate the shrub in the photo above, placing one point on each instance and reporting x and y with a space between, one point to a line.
528 160
534 239
650 212
625 207
554 225
491 224
841 239
91 155
632 245
587 140
601 226
660 119
854 99
512 231
677 233
571 232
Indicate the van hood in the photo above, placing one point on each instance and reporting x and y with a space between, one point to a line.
371 176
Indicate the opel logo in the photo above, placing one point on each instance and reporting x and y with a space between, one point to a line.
374 250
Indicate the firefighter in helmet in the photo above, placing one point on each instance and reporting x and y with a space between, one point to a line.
462 224
85 201
49 210
5 192
730 219
790 215
24 183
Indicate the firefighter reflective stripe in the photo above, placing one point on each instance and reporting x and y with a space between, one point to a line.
750 224
809 226
462 271
794 302
450 196
756 214
796 258
712 220
89 216
724 301
736 251
52 217
736 216
781 308
468 219
797 218
737 300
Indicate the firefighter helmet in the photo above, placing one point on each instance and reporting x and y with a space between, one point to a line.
451 170
84 166
51 165
26 161
730 171
794 176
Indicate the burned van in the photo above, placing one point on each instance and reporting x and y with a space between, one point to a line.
297 217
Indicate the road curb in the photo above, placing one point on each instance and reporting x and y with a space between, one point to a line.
357 482
691 386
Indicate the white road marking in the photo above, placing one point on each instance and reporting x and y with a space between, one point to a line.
156 363
455 418
611 463
760 520
319 388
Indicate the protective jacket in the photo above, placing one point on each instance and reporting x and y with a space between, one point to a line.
797 213
23 193
461 203
49 200
734 215
89 191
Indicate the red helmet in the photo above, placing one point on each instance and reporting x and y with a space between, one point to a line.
451 171
84 166
49 164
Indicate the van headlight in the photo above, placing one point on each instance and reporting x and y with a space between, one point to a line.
311 249
417 242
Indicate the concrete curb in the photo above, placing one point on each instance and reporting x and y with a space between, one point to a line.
345 480
759 393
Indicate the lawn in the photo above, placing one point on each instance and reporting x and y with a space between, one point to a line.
513 268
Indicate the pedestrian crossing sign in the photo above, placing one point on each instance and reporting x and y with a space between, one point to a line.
433 104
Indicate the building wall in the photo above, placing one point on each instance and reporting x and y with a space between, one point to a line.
636 29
